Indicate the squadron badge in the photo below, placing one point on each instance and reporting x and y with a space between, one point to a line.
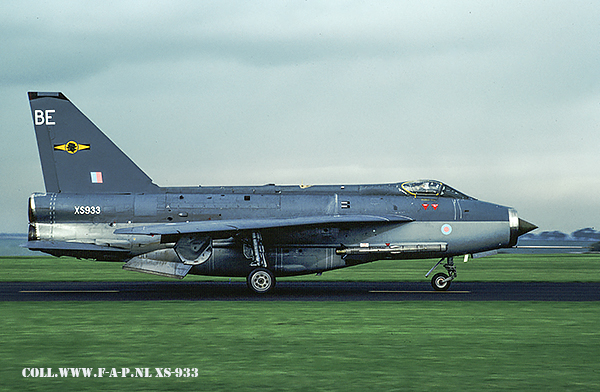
71 147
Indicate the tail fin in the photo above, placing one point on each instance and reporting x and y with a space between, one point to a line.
76 156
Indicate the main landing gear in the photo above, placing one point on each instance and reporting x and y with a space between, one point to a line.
441 281
260 280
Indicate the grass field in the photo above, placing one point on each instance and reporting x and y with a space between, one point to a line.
502 267
306 346
316 346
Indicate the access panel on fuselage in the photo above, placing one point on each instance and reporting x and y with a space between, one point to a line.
219 206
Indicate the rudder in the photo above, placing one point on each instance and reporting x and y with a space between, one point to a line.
76 156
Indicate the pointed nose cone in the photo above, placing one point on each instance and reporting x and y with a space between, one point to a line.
525 227
518 227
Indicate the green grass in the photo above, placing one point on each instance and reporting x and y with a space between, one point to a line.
503 267
316 346
306 346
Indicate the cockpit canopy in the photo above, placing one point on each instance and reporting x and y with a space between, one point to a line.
431 188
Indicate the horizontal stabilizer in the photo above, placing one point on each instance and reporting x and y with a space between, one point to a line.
77 249
158 267
233 225
63 245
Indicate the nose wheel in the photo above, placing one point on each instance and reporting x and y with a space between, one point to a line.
441 281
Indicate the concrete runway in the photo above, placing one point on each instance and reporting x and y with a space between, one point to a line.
297 291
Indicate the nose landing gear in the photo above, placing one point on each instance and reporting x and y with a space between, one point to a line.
441 281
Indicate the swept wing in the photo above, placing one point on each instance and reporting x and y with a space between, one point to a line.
234 225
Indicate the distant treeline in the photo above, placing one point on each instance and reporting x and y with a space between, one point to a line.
13 236
10 245
587 234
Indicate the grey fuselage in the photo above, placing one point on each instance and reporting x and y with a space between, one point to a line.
434 225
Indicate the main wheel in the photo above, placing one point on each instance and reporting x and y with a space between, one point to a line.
438 282
261 281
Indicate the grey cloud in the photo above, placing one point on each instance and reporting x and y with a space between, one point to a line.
499 99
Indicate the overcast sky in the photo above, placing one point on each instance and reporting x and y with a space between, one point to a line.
500 100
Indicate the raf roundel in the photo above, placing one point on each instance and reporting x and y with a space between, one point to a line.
446 229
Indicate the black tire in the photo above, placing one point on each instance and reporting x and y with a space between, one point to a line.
261 281
438 282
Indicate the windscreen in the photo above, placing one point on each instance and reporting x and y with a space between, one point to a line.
431 188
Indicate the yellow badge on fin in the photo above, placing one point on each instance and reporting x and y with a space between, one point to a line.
71 147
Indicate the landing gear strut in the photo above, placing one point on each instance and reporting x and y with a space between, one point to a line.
261 280
258 251
441 281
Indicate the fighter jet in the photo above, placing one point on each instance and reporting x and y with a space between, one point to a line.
100 205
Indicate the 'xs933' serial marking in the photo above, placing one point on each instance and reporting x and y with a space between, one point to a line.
87 210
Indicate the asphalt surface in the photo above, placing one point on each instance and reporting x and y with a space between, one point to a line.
298 291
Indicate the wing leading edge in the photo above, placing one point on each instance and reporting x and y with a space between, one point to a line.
234 225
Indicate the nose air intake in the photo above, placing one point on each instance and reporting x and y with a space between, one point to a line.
518 227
